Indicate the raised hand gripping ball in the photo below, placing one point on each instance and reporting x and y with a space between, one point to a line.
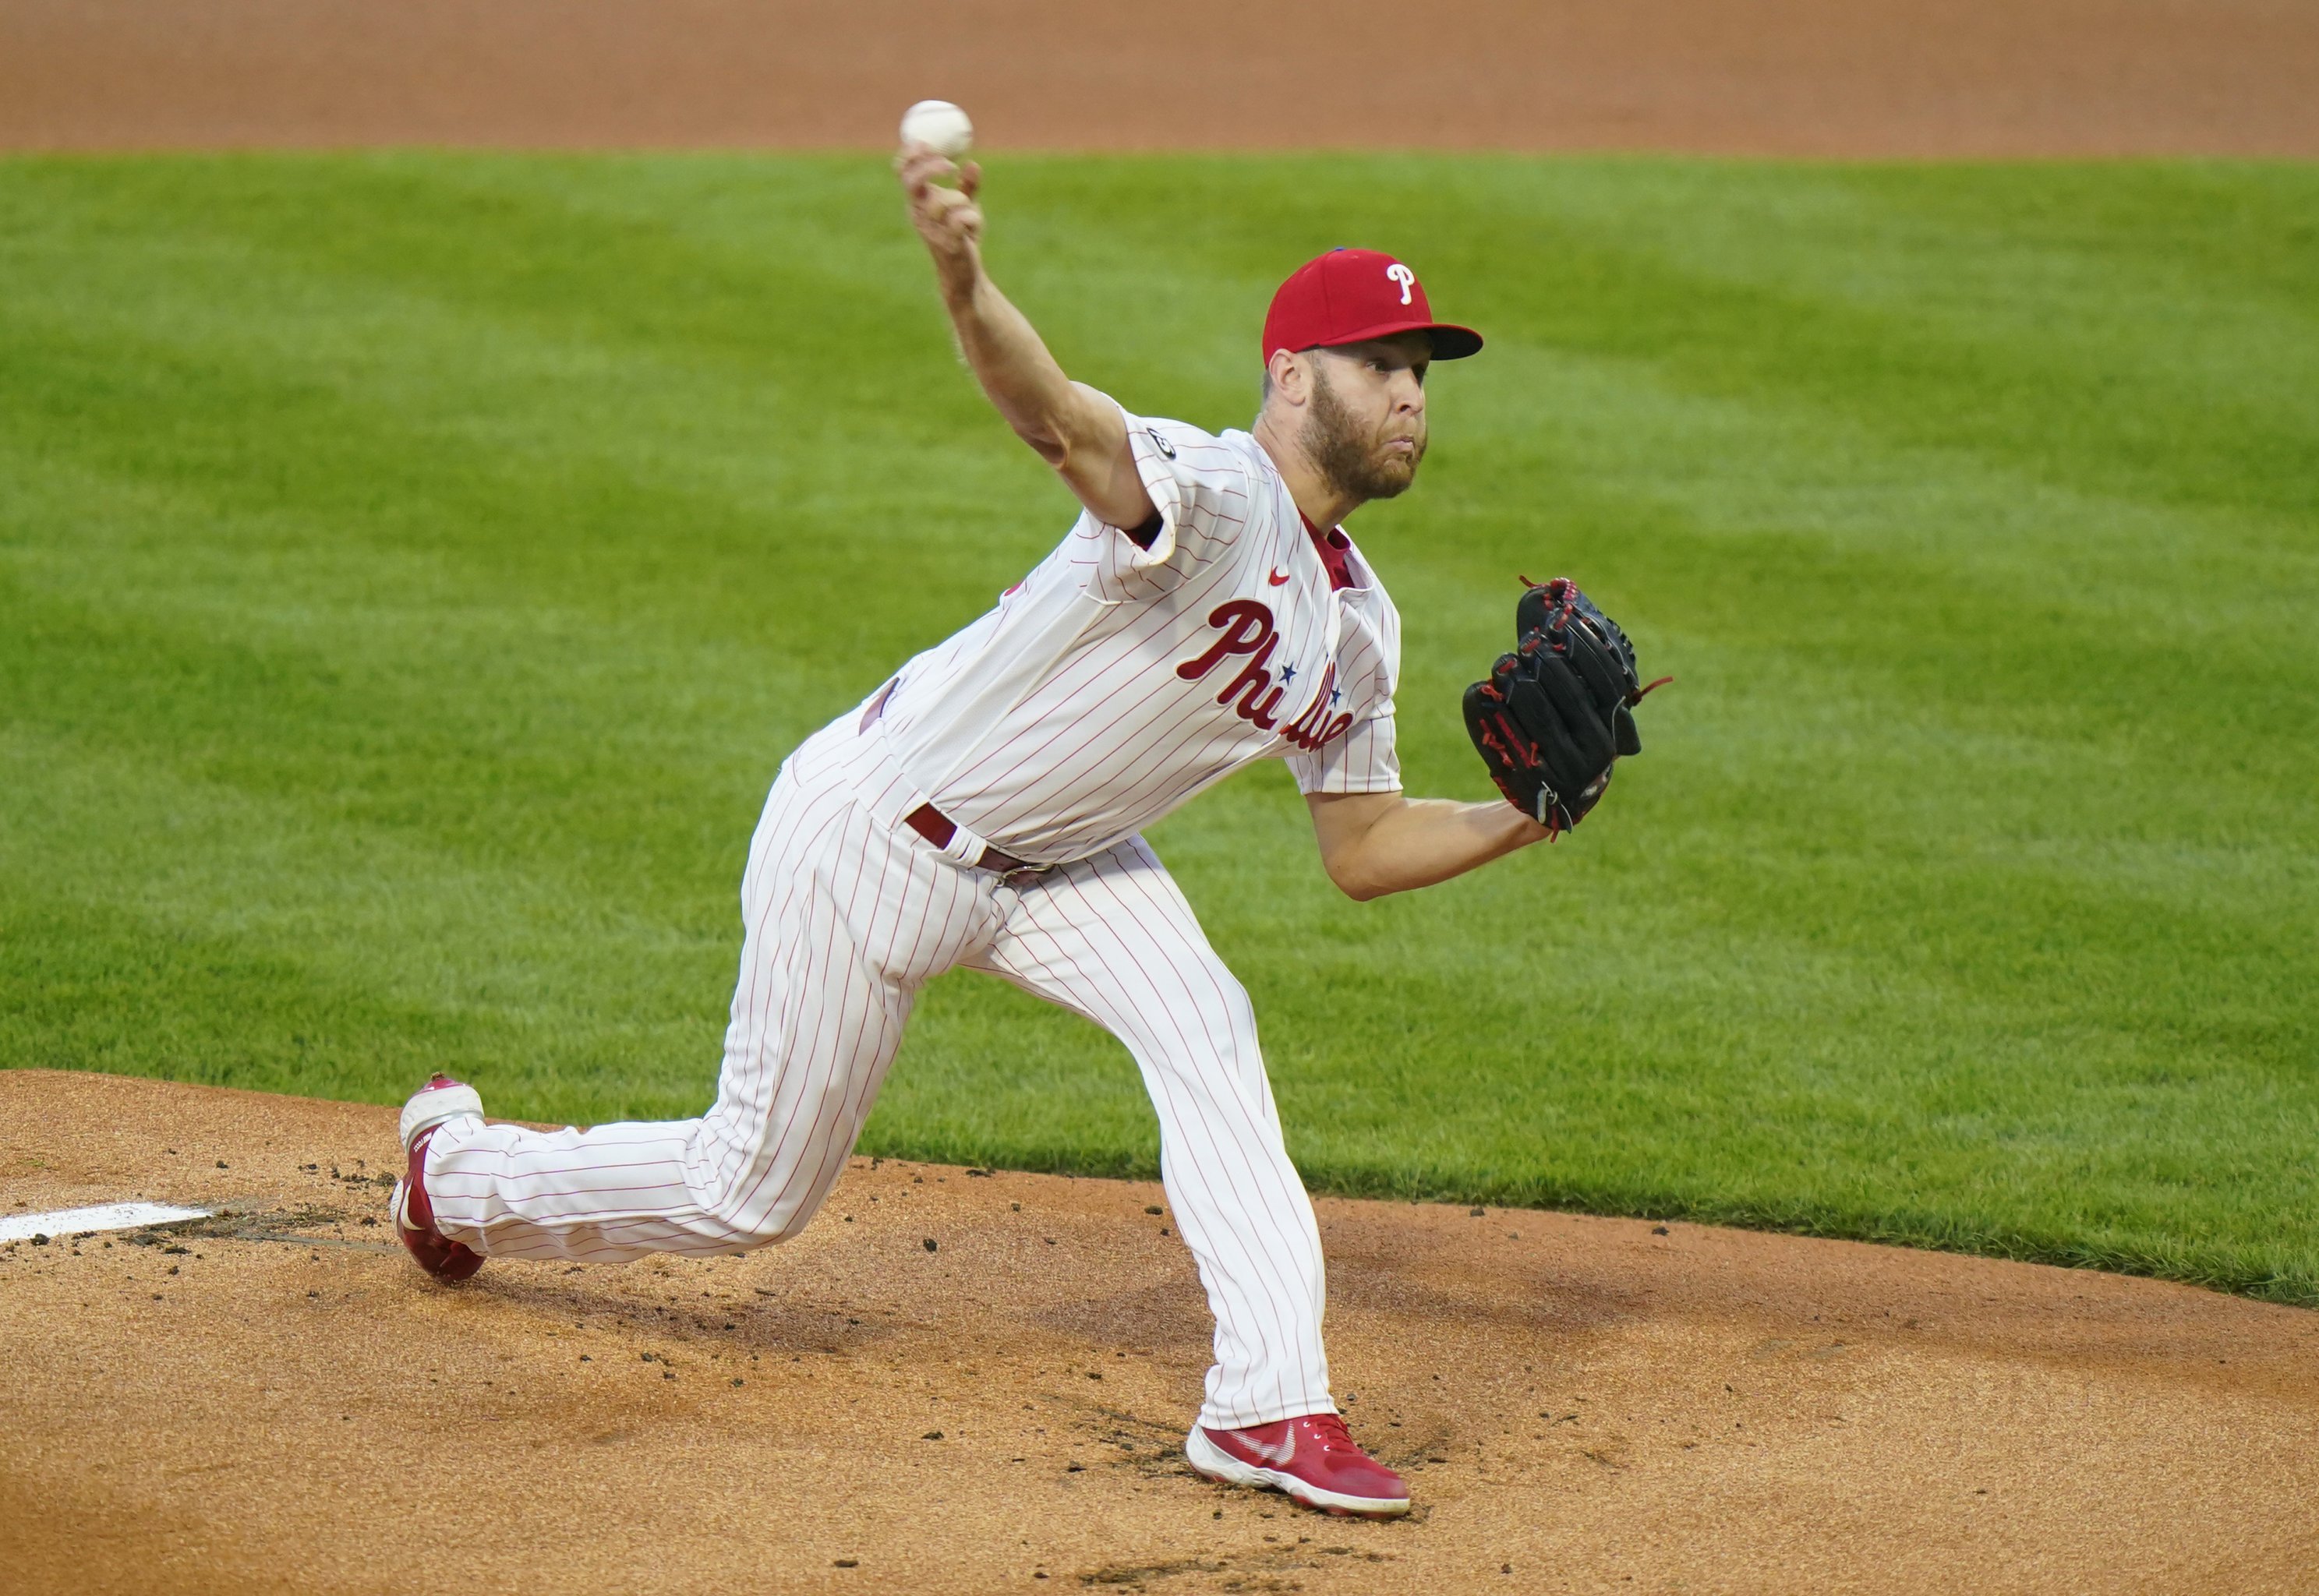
939 124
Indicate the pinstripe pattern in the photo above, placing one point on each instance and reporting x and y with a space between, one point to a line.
1111 938
1057 726
846 917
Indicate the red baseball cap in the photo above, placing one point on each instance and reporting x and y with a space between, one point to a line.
1349 296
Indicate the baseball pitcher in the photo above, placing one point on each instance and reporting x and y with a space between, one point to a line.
985 808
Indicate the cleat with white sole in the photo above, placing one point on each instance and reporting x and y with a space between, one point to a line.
1311 1460
434 1106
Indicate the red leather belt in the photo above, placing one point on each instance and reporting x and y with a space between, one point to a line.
931 822
938 828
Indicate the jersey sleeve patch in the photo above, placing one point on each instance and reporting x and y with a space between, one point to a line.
1198 486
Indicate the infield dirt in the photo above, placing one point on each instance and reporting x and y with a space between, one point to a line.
1812 77
275 1399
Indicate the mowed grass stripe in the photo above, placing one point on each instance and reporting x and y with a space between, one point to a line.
412 567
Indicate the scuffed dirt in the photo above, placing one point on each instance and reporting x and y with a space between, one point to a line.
1810 78
276 1400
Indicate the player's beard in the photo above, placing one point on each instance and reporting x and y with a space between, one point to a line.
1353 460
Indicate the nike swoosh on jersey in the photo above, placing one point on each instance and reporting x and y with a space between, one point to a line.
1276 578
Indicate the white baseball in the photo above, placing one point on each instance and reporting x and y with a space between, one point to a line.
940 124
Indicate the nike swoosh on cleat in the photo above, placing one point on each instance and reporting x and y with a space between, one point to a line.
1282 1454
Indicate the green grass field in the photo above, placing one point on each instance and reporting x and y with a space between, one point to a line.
412 569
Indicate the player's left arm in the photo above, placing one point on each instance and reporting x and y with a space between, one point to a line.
1074 428
1377 843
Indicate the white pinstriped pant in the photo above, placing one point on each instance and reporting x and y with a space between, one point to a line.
848 913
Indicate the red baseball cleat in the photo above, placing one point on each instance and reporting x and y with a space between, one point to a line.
433 1105
1313 1459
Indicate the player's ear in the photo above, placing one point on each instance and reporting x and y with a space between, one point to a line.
1289 377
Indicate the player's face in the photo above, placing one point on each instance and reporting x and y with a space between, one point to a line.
1365 427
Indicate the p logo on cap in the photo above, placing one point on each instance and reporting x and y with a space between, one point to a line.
1350 296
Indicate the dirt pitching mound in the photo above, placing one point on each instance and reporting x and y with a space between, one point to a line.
958 1380
1818 78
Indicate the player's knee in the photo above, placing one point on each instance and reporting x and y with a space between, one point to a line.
1231 1026
774 1222
765 1233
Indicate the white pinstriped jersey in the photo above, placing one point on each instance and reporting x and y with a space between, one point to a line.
1115 682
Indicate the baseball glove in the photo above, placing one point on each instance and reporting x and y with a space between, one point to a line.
1556 713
